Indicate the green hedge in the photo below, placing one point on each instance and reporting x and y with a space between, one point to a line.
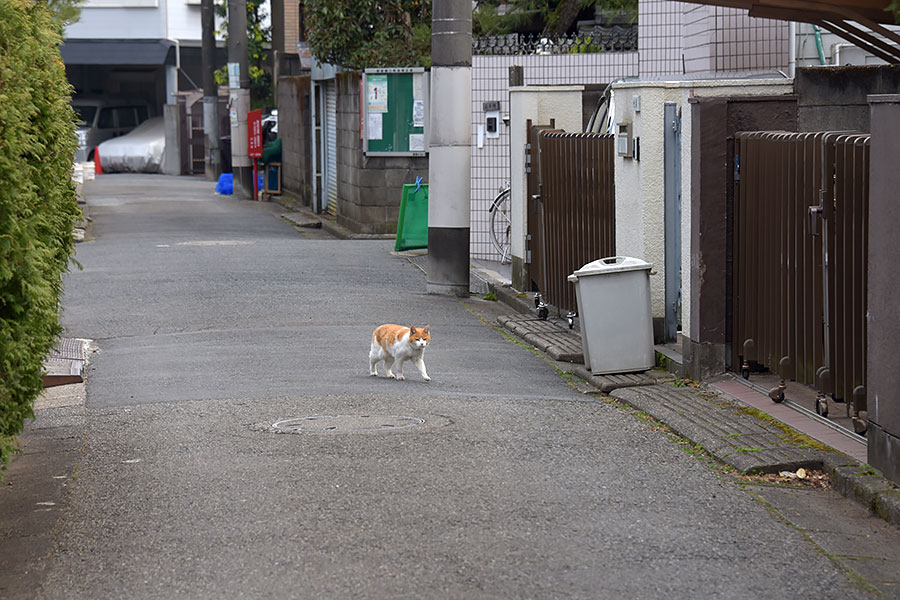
38 208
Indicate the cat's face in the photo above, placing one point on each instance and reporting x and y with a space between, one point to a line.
419 337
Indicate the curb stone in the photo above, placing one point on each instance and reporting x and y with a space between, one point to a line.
559 343
608 383
736 438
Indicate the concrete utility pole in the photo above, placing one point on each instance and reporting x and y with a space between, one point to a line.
239 98
210 90
449 176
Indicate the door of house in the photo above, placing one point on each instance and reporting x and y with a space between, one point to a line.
672 149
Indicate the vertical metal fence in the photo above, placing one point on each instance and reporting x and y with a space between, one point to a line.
577 209
799 270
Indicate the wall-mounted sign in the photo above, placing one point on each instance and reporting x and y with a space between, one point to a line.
395 112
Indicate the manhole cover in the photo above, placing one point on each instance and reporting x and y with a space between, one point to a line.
345 424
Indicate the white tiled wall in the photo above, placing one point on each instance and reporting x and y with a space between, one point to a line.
490 82
674 38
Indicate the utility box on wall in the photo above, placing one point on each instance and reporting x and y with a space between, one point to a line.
491 119
624 140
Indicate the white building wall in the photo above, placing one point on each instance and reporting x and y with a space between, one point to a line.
679 38
118 23
184 21
640 184
698 38
138 19
659 38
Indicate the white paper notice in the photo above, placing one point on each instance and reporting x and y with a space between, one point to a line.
373 126
418 113
417 142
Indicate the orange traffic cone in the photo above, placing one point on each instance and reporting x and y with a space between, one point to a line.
97 168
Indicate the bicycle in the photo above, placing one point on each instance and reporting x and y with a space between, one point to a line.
501 224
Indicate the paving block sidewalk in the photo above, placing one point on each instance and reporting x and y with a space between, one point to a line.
560 343
733 432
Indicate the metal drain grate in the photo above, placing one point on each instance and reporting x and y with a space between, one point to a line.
345 424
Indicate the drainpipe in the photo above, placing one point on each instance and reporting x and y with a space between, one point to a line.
818 34
792 50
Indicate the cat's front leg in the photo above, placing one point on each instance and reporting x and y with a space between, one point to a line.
421 364
388 363
400 376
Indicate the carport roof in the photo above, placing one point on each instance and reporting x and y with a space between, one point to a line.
117 52
860 22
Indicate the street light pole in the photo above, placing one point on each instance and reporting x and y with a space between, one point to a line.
239 97
450 152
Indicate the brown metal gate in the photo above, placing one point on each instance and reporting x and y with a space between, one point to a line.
198 141
571 217
799 270
191 141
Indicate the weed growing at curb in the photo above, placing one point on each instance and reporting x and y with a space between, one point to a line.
788 434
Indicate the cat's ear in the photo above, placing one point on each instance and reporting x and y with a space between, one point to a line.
412 330
427 328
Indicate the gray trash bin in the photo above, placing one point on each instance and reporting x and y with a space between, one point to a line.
614 313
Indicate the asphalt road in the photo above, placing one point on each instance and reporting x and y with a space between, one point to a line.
215 319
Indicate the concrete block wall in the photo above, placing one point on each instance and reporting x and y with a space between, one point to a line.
369 188
294 131
835 99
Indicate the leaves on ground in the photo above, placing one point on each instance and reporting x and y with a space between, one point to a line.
801 477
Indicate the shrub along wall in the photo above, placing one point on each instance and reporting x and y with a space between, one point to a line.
38 207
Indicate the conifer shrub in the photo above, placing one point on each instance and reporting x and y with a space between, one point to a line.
38 207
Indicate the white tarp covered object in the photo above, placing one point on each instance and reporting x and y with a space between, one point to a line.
140 151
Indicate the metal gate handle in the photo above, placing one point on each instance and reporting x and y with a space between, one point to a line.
814 221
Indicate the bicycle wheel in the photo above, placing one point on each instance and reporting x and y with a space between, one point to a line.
501 225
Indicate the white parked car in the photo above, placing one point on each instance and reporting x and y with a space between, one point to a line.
140 151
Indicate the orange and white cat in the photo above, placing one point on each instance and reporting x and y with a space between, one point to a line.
397 344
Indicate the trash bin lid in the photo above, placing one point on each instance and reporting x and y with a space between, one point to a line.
611 264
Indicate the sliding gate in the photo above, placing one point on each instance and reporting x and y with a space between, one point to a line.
799 259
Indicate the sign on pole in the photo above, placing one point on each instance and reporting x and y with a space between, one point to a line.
234 75
254 142
254 134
